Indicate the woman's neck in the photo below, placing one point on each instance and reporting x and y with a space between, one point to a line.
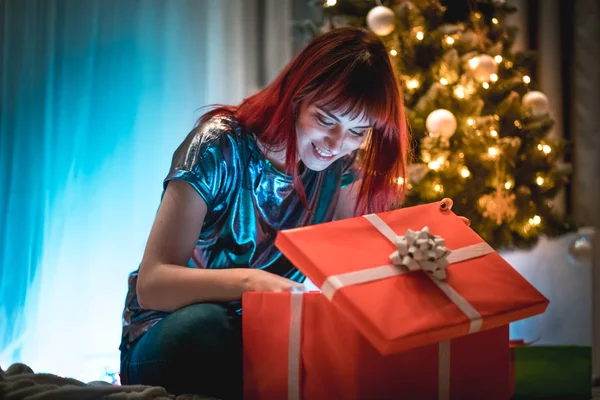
275 156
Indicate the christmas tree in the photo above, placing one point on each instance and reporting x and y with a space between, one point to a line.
480 129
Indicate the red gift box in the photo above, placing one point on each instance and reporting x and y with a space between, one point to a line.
377 330
298 346
397 309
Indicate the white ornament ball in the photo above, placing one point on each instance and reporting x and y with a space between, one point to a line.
441 122
380 20
580 251
482 66
536 103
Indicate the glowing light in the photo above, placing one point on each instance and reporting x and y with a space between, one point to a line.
413 84
507 185
493 77
536 220
461 155
477 15
330 3
434 165
493 152
473 62
485 85
420 35
509 64
400 181
498 59
495 21
470 121
444 81
393 52
464 172
518 124
539 180
459 92
450 40
526 79
496 117
546 149
438 187
494 133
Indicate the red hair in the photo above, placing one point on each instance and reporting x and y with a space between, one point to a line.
349 70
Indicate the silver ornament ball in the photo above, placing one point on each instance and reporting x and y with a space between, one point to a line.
536 103
482 66
380 20
441 122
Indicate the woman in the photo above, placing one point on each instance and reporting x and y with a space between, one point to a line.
285 157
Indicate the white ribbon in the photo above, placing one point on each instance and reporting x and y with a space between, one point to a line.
294 351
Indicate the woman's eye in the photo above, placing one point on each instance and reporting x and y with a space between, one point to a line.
323 122
357 134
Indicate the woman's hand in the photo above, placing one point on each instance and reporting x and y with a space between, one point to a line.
257 280
446 204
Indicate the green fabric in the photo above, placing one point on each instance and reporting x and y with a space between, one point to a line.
553 372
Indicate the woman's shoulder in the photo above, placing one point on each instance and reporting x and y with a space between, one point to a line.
217 127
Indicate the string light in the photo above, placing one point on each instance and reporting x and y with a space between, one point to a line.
464 172
434 165
493 152
536 220
438 187
509 64
444 81
546 149
526 79
450 40
507 185
461 155
518 123
330 3
393 52
400 181
496 117
493 77
470 122
539 180
494 133
498 59
477 15
420 35
459 92
495 21
413 84
485 85
473 62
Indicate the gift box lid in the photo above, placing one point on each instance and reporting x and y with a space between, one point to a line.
397 308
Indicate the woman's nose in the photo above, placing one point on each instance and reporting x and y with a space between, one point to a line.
335 140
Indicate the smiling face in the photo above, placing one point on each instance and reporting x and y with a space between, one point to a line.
326 135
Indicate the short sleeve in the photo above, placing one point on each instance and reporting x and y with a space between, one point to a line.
350 169
207 161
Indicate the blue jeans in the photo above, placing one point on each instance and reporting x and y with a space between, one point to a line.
194 350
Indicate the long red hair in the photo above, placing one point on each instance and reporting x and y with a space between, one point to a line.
349 70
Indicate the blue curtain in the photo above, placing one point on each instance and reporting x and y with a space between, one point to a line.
94 97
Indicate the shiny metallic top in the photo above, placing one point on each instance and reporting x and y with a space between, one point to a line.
248 201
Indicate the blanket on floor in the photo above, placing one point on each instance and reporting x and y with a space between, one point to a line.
19 382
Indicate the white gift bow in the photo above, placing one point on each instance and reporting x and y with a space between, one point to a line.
421 251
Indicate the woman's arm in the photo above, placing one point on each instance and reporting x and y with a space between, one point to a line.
163 281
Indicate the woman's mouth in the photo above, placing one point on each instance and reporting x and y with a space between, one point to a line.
321 153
